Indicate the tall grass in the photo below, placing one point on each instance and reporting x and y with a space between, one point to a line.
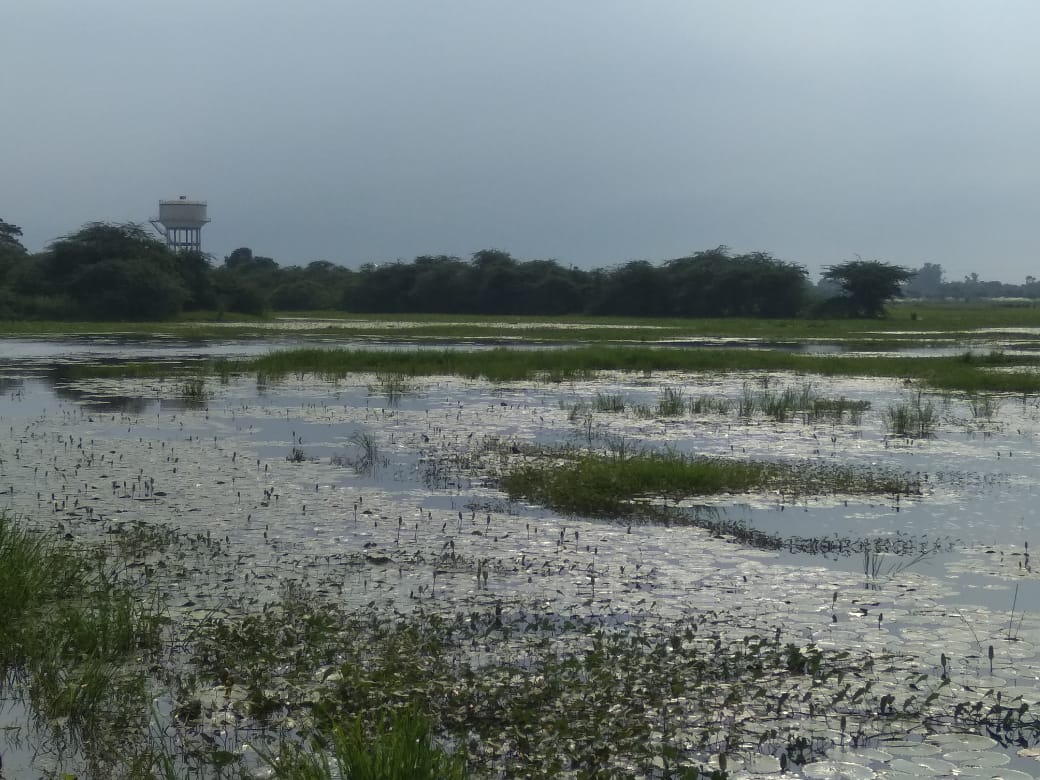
671 402
984 406
709 404
609 402
916 417
802 401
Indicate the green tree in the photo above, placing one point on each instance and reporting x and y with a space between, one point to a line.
196 276
714 283
927 281
635 289
9 236
867 285
12 253
127 289
239 293
116 271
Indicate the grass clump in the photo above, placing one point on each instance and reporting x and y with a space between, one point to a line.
837 410
671 402
193 392
802 401
73 640
916 417
984 406
400 747
709 404
605 485
609 402
393 385
366 455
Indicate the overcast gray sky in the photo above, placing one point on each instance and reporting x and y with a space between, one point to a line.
591 131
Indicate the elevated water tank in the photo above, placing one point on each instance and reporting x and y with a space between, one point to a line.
180 222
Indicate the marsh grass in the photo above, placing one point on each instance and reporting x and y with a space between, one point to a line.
983 406
576 695
782 405
576 410
800 401
74 638
916 417
878 568
710 404
393 385
607 485
671 402
609 402
193 392
367 456
399 747
905 323
837 410
969 372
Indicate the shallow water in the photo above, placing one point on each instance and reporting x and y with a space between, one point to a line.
90 458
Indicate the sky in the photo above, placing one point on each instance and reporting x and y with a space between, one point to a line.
594 132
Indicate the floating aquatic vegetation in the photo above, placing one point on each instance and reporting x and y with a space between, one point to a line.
300 592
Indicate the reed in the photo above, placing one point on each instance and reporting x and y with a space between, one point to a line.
609 402
916 417
709 404
671 402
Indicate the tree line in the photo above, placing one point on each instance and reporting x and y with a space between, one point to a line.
124 272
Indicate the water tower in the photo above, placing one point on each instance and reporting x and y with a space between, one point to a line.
180 223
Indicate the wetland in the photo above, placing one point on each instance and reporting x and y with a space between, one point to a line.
588 560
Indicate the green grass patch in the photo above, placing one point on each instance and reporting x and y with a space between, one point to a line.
400 747
607 486
991 373
73 640
906 323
